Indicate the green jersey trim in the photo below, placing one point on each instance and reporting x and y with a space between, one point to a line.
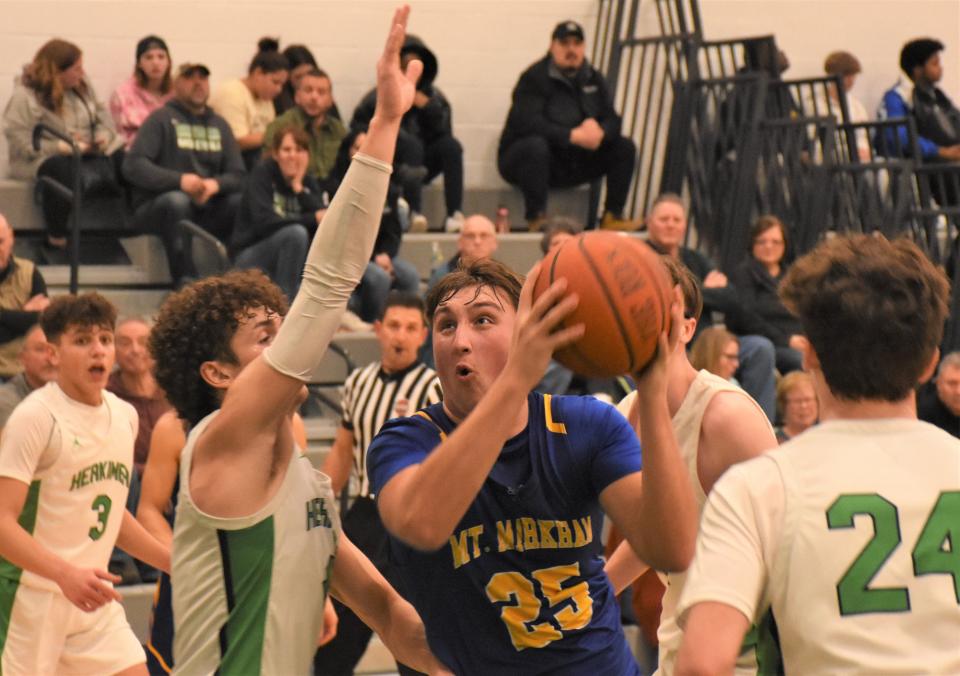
247 560
9 573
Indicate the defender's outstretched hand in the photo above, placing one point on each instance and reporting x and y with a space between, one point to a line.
396 88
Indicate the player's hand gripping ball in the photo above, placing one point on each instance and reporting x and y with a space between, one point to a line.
625 296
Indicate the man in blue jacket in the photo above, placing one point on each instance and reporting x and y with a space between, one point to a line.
562 131
938 120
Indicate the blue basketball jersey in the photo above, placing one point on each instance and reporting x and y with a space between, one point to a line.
520 587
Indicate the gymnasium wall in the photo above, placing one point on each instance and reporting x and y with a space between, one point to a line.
482 45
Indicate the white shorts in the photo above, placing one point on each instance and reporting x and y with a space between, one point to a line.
47 634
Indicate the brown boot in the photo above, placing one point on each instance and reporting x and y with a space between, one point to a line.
611 221
536 224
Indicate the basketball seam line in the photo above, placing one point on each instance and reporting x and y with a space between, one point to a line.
574 347
610 303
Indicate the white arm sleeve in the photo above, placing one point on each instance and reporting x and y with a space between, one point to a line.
335 263
25 450
739 532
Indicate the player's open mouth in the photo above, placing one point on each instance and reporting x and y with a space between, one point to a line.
463 371
97 370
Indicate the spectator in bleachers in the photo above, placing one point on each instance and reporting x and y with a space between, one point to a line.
185 164
667 227
717 351
37 367
54 90
478 239
562 130
281 207
133 382
938 120
23 296
797 405
938 401
558 230
301 61
150 86
426 140
847 67
757 280
247 103
314 101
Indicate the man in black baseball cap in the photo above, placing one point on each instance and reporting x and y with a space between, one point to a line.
562 131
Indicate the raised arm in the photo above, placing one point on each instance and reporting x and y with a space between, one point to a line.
658 514
269 386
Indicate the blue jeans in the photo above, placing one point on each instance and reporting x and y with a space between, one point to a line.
756 372
370 295
281 257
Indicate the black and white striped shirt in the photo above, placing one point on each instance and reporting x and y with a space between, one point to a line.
371 397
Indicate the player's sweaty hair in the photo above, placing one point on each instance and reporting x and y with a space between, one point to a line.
484 273
196 325
873 311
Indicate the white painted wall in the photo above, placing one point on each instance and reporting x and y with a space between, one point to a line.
482 45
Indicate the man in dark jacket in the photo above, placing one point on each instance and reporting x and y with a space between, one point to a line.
938 401
426 147
938 120
562 131
185 164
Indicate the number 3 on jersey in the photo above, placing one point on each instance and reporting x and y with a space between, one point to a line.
937 550
101 505
521 604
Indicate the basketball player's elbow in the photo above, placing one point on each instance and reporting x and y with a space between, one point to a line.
668 550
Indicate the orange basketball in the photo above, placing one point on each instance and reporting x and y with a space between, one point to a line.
625 294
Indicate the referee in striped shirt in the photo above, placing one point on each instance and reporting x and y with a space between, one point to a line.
397 385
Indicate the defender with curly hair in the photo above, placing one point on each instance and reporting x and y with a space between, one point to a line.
257 536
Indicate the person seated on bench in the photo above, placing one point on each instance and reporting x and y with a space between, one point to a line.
23 296
247 103
185 164
54 90
562 131
281 207
147 89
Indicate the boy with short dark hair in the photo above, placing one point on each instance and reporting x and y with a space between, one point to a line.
66 460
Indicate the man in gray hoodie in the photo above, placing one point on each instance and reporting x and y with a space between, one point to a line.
185 164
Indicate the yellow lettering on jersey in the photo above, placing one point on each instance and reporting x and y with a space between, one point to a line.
583 530
504 536
546 538
555 427
459 545
530 540
564 536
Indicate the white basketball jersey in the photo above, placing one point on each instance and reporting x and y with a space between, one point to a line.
248 593
866 570
75 505
687 422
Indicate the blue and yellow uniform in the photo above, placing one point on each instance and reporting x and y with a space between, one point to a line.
520 587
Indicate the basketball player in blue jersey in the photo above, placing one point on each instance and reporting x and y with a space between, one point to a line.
495 497
257 542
